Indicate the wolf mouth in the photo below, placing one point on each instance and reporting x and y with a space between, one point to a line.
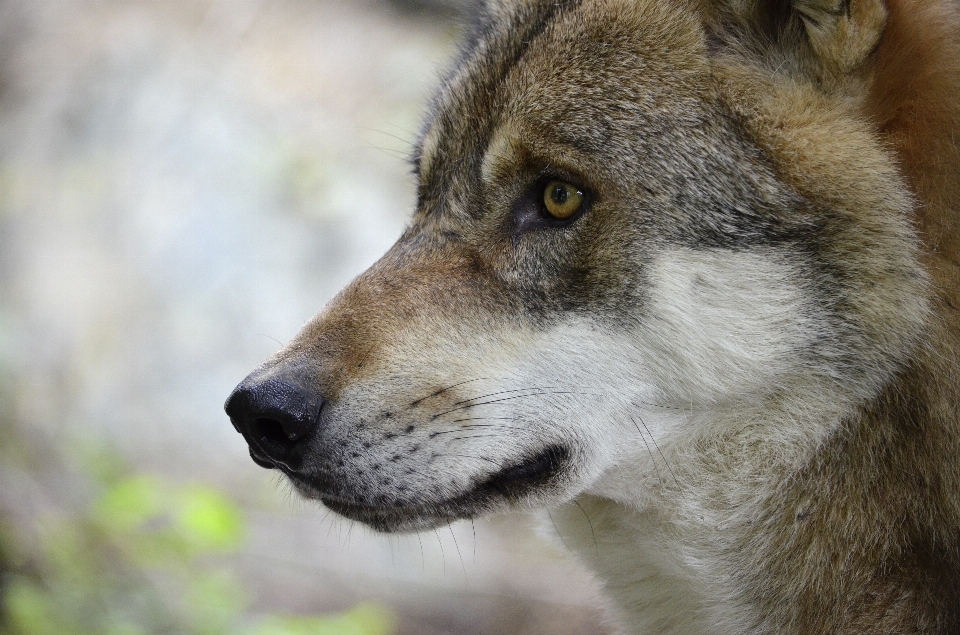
512 483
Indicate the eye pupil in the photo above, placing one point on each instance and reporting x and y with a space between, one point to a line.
562 200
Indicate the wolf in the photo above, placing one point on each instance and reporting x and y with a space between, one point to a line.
687 274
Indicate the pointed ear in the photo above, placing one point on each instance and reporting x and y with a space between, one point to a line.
836 35
842 33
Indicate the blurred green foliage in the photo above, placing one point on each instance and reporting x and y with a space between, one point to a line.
141 559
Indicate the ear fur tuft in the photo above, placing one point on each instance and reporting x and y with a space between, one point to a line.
822 37
842 33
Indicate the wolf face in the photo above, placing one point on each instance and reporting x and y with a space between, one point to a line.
500 354
661 256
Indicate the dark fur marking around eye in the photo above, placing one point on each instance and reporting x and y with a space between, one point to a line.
530 214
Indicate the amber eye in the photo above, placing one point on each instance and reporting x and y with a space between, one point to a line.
562 199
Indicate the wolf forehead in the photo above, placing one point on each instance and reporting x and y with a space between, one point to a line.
551 63
556 72
615 96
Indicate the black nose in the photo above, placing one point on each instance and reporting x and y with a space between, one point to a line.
276 418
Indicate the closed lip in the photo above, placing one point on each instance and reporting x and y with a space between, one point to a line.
513 483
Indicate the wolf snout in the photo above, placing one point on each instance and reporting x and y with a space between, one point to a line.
276 417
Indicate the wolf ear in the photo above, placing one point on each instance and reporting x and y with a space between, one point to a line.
840 34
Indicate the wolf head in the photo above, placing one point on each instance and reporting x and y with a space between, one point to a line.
642 226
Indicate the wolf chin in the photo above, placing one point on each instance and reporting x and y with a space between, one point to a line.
687 273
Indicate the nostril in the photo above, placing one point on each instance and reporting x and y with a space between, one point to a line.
275 416
269 431
283 432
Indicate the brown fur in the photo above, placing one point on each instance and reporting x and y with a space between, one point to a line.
915 101
889 481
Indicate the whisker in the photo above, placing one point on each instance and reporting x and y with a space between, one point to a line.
423 558
504 392
473 526
418 472
478 436
596 547
460 555
654 458
471 426
492 401
462 428
477 458
443 390
385 133
439 432
349 534
272 338
557 529
662 407
443 556
660 452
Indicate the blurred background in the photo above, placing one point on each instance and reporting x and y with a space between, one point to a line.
183 183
